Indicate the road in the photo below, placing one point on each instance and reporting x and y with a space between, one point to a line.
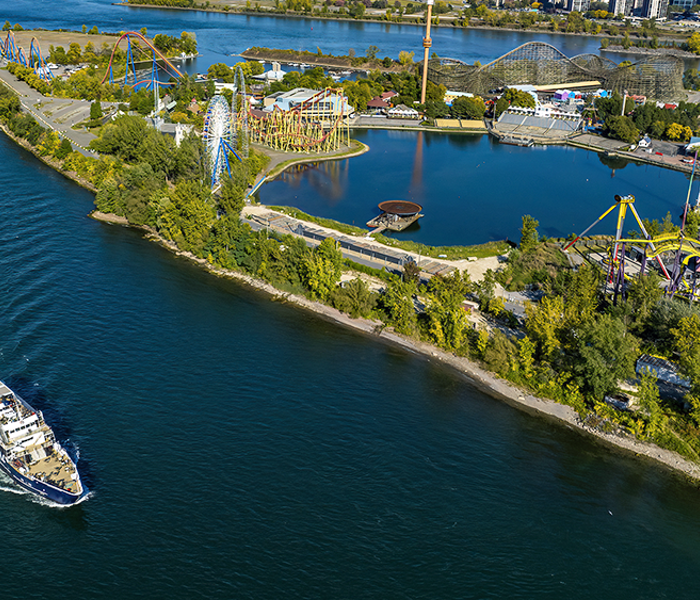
59 114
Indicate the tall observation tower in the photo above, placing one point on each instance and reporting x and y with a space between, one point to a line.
427 42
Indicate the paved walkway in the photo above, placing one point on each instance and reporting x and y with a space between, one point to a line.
364 250
670 156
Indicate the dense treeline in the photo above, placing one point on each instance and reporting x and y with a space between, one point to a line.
596 21
361 91
579 346
176 3
675 124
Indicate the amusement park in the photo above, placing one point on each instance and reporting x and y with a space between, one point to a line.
602 326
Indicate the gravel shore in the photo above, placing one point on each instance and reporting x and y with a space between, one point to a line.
478 377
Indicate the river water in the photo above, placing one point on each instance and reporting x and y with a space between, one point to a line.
474 189
222 35
241 448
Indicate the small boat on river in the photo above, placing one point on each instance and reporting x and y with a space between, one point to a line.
30 454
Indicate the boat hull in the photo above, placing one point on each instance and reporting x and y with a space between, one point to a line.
40 488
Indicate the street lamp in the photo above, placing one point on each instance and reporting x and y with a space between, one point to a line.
427 42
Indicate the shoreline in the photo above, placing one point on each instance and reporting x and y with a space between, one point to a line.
418 22
71 175
478 377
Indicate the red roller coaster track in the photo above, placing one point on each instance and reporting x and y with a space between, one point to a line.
156 55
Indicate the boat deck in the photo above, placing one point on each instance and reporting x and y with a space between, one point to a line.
56 470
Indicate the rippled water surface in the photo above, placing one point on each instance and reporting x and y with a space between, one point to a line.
222 35
239 448
473 189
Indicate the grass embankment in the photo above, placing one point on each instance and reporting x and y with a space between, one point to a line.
535 267
448 252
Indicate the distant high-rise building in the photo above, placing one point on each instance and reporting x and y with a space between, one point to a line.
580 5
653 9
620 7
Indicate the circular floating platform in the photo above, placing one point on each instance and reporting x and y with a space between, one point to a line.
403 208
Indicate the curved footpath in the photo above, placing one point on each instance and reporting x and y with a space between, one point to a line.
480 378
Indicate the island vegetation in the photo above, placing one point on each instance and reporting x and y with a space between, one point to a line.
574 346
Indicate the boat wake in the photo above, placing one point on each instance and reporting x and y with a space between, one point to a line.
8 485
17 490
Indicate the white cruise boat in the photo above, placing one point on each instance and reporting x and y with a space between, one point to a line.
30 454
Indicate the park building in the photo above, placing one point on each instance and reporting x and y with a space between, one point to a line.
315 102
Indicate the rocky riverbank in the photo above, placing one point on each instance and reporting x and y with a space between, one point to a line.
477 376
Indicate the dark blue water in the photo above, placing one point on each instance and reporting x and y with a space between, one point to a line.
240 448
474 189
222 35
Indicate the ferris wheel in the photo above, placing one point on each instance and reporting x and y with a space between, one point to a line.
217 138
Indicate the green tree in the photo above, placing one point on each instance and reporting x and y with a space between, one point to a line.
544 322
406 58
686 341
643 294
371 52
122 137
322 269
528 234
411 272
470 108
605 354
694 43
501 105
96 110
448 324
354 298
74 53
519 98
648 399
692 224
526 352
436 110
621 128
626 42
64 149
677 132
398 306
232 196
